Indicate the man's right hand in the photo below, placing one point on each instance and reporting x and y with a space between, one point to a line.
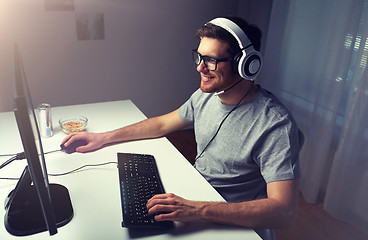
94 141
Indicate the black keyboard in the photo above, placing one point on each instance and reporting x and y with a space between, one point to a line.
139 181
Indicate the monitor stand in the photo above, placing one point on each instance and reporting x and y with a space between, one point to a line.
24 215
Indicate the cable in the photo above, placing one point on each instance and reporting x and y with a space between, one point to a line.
69 172
53 151
223 120
8 161
2 178
77 169
6 155
19 156
227 89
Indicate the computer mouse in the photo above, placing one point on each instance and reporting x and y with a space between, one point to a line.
73 146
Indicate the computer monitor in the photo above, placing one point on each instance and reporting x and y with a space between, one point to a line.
34 205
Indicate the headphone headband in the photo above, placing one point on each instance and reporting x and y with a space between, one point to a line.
248 61
234 29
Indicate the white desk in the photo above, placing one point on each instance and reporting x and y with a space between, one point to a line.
95 191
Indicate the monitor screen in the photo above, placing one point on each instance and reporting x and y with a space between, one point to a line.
33 206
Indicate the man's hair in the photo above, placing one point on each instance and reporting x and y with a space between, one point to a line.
253 33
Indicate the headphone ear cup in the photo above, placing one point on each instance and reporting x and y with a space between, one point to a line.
252 65
249 65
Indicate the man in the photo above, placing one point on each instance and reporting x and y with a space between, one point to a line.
247 141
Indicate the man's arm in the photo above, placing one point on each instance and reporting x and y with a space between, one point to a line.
278 210
149 128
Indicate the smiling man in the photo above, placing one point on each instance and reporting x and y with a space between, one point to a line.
247 141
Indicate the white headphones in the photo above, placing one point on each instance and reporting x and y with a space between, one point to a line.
249 61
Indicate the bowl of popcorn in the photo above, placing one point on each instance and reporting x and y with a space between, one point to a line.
73 124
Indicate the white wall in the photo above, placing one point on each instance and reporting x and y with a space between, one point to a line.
145 55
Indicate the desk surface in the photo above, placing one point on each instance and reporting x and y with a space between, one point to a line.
95 191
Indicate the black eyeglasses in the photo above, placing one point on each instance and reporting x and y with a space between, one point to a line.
209 62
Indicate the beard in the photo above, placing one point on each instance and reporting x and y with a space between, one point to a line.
210 87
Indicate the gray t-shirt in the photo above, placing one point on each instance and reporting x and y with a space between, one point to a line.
256 144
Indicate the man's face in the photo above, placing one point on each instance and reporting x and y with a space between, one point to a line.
224 76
